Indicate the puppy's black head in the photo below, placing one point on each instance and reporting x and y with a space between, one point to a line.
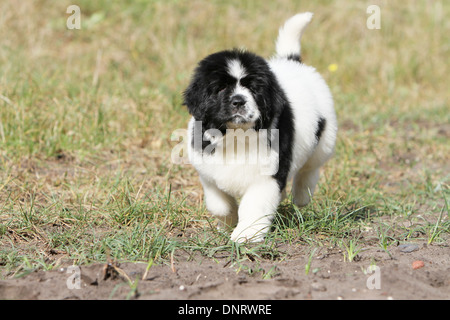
233 89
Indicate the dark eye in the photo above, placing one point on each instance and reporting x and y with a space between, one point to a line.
245 82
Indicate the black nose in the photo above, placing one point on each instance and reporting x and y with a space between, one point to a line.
237 101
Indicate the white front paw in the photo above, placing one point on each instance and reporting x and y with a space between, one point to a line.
245 232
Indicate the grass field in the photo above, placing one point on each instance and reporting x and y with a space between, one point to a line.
86 118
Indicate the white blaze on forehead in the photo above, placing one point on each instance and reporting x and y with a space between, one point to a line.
236 69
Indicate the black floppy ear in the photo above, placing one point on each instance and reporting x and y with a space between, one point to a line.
195 97
272 103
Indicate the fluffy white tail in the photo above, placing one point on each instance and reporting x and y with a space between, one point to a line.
288 42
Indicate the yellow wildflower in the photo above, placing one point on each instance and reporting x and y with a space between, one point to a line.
333 67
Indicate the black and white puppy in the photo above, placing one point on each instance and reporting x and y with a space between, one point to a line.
241 105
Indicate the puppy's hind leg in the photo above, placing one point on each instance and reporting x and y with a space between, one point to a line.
220 204
304 185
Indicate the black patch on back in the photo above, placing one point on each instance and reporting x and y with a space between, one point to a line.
320 127
294 57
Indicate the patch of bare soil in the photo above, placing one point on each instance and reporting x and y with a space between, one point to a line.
329 277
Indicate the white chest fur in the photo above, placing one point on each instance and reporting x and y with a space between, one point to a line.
236 160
